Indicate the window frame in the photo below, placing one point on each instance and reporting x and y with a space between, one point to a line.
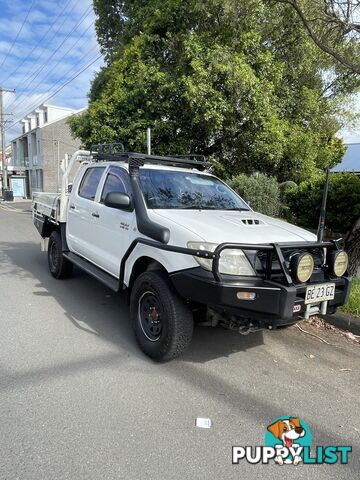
103 169
109 172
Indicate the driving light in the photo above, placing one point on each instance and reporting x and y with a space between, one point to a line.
340 262
302 266
232 261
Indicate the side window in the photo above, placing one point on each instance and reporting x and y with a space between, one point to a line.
90 182
117 180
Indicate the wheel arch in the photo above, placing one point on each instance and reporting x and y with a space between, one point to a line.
141 265
56 227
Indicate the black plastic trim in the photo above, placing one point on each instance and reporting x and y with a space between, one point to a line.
145 225
160 246
41 224
96 272
64 245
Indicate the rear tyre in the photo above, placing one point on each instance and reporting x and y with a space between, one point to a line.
59 266
162 321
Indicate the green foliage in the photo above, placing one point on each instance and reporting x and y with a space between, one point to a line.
261 191
237 80
353 305
330 22
343 205
285 187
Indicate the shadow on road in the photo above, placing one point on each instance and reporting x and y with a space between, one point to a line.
96 310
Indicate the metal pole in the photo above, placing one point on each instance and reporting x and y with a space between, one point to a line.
3 122
57 144
321 227
148 141
2 126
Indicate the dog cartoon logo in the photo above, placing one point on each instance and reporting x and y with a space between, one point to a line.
290 433
288 440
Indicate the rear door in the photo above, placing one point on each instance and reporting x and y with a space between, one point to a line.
80 227
111 227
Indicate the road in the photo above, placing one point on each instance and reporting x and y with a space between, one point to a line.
79 400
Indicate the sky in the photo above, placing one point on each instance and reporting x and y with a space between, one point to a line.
43 45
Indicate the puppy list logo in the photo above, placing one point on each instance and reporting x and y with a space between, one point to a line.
288 442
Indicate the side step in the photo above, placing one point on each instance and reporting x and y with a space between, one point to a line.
94 271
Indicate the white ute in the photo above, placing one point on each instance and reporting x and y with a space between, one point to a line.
185 246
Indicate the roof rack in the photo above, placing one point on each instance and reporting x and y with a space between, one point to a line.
115 152
190 156
102 150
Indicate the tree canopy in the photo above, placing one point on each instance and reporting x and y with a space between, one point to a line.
239 80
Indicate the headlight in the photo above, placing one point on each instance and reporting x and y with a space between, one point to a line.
302 267
339 263
232 261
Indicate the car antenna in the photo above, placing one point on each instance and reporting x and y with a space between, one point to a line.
321 227
148 140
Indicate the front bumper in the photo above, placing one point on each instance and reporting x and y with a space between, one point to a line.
275 304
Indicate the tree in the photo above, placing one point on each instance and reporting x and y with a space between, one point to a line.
238 80
329 22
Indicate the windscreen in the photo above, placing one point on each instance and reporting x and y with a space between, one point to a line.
165 189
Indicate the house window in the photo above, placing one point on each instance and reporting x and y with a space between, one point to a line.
39 179
23 129
37 120
45 116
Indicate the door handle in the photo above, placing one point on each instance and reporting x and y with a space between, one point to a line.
72 206
95 214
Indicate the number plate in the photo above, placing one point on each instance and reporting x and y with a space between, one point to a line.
320 293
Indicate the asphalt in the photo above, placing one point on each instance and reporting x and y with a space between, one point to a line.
78 399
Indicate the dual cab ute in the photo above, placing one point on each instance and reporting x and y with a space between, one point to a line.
185 246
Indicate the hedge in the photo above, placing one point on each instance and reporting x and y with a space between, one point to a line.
260 191
343 205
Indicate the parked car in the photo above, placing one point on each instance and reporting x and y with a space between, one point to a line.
180 241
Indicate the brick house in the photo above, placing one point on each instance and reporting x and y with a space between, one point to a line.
45 140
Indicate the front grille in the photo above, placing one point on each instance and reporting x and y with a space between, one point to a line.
258 260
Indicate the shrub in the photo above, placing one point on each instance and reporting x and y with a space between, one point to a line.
343 205
259 190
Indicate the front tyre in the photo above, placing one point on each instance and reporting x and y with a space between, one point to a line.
59 266
162 321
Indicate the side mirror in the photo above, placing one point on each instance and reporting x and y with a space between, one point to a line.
118 200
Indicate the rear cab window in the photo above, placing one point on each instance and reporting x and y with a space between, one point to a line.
90 182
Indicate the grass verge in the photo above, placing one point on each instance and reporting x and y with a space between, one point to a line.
353 305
